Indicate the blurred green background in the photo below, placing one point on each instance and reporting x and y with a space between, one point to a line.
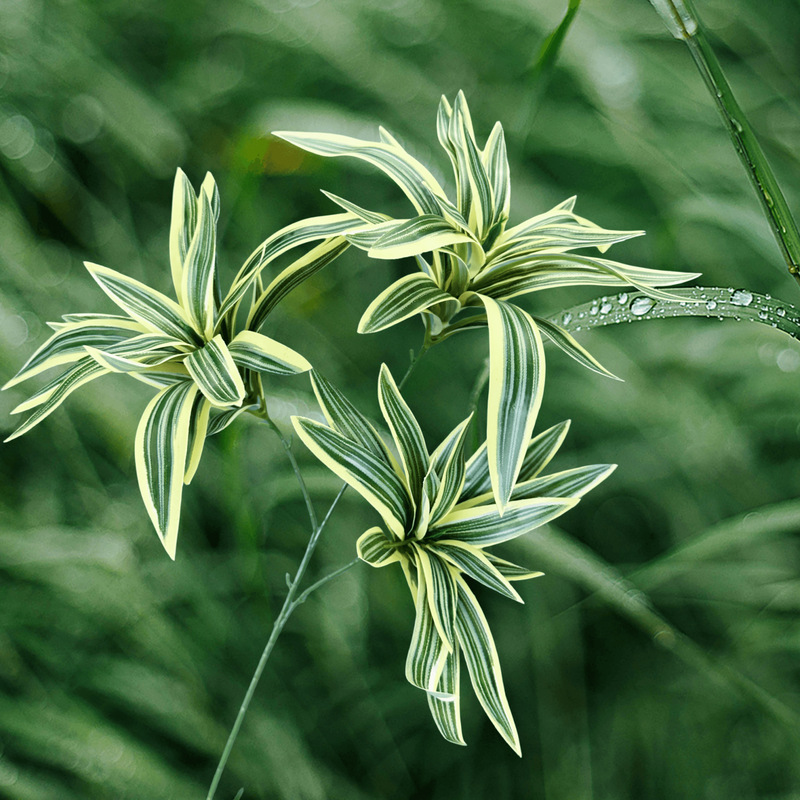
659 656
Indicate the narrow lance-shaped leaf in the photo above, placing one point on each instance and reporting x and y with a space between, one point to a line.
427 651
445 702
473 562
516 386
198 432
161 447
376 549
415 236
182 225
213 369
198 270
441 593
495 160
566 342
255 351
449 464
405 298
483 664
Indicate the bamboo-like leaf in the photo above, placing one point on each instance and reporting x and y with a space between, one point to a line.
406 297
474 562
495 161
445 703
292 276
53 395
448 461
182 225
199 268
566 342
220 420
161 447
345 418
66 345
538 455
510 571
154 310
255 351
441 593
427 651
213 369
198 432
376 549
516 386
415 236
485 525
365 215
163 375
209 187
483 664
405 432
377 483
482 206
294 235
421 188
124 364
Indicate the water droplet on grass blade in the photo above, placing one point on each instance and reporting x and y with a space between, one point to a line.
711 305
641 305
741 297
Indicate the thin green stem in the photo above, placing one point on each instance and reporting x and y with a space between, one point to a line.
416 358
684 24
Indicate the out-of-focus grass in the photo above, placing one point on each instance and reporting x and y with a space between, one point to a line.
120 672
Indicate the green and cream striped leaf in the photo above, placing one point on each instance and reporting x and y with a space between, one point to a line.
213 369
448 461
483 526
415 236
209 187
443 127
91 316
495 162
198 432
511 571
198 270
445 702
441 593
124 364
538 455
516 386
406 433
67 344
255 351
162 442
472 561
418 184
154 310
345 418
182 226
406 297
365 215
48 399
221 419
375 547
369 475
566 341
294 235
483 664
482 202
163 375
427 651
292 276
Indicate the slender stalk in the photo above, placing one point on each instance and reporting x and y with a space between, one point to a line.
684 24
416 358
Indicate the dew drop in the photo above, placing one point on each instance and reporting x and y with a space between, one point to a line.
763 314
711 305
623 298
781 312
741 298
606 307
594 309
566 319
641 305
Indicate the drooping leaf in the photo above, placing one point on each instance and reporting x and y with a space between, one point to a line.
213 369
566 342
472 561
374 547
255 351
162 440
198 432
441 592
427 651
511 571
445 702
413 237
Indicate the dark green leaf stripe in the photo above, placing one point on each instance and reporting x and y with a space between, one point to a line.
375 548
260 353
512 572
482 205
409 174
405 432
484 525
377 483
569 483
292 276
198 432
403 299
441 592
66 345
344 417
215 372
220 420
162 440
294 235
475 563
449 461
427 652
198 270
516 384
445 703
495 160
182 225
155 310
418 235
483 664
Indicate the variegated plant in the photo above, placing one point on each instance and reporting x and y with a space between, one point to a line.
478 264
202 352
439 519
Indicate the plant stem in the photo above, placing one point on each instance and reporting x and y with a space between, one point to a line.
416 358
683 22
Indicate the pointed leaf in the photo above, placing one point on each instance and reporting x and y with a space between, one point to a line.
495 160
445 702
448 460
370 476
375 547
512 572
403 299
255 351
198 432
475 563
161 448
213 369
415 236
221 419
362 213
566 342
198 270
427 652
181 230
441 593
